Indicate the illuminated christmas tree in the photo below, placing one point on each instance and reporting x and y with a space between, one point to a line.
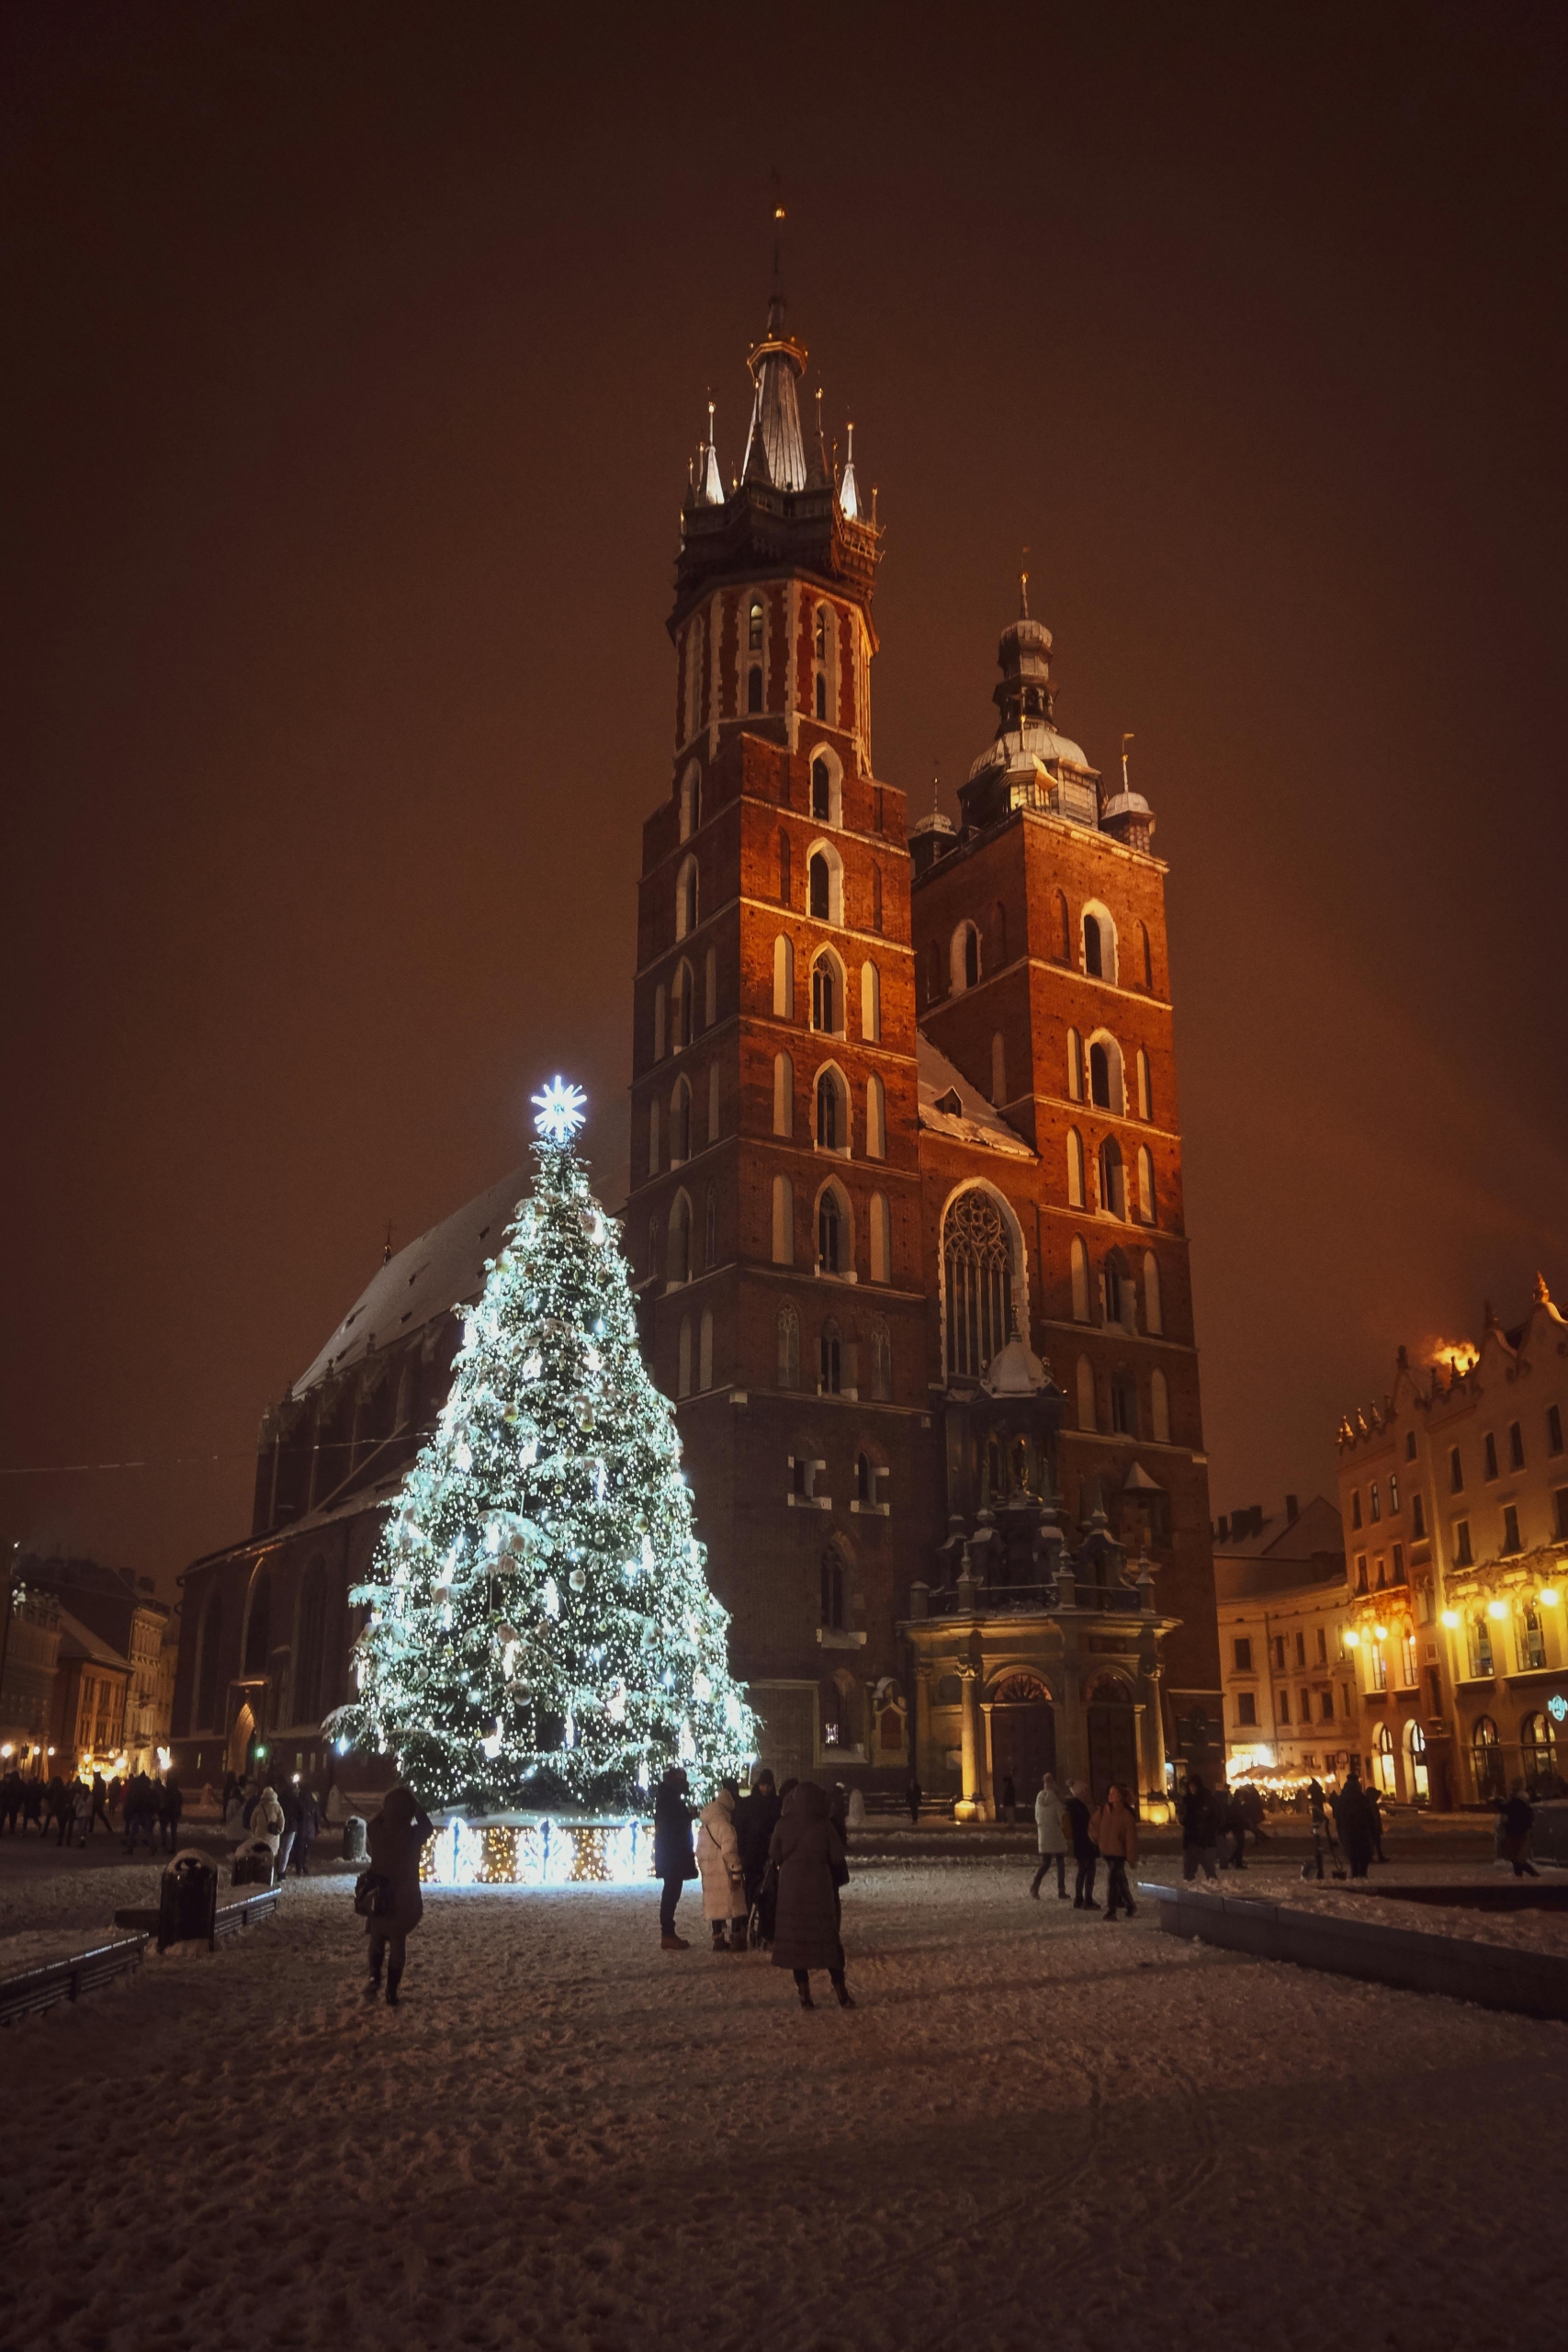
541 1633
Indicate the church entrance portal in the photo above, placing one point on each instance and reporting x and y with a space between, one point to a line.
1023 1737
1113 1737
240 1739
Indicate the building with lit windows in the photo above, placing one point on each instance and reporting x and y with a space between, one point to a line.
1454 1492
1290 1684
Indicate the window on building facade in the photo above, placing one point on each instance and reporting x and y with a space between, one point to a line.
977 1274
833 1588
1478 1644
1283 1706
1560 1503
1360 1572
1393 1494
1242 1647
1456 1471
830 1360
876 1119
1125 1402
826 1006
784 1221
710 1231
1093 947
1074 1067
881 1362
1511 1528
820 884
1301 1649
870 1003
879 1227
1410 1445
1399 1564
1489 1453
1147 957
1407 1656
1326 1708
1078 1267
754 626
832 1112
1530 1639
1322 1646
1355 1506
1554 1428
831 1232
1277 1650
1515 1446
1463 1556
1159 1408
821 790
1245 1707
1374 1507
1417 1516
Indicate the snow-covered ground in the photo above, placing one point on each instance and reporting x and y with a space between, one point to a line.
1034 2129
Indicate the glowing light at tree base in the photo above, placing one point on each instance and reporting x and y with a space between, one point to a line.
531 1849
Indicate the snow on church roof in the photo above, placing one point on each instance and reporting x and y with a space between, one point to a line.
445 1266
951 1106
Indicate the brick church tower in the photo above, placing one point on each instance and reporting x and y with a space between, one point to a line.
774 1213
903 1140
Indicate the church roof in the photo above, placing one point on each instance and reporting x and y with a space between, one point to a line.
950 1107
443 1268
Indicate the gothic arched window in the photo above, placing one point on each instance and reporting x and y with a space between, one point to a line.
879 1224
784 1095
832 1112
821 696
1112 1178
678 1256
821 788
1092 947
754 626
832 1231
753 690
710 1233
311 1646
833 1589
826 995
977 1274
686 899
819 876
679 1123
821 634
881 1362
1061 946
830 1359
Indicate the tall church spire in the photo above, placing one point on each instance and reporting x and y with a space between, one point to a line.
775 452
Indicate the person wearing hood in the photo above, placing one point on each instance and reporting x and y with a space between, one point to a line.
724 1880
396 1838
1115 1829
1051 1837
809 1854
267 1823
1086 1854
673 1861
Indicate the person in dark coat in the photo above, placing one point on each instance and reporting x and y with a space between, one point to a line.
61 1809
755 1822
100 1805
1086 1854
1200 1817
172 1807
673 1860
307 1831
1235 1818
1322 1835
1518 1820
810 1855
839 1812
912 1796
1374 1819
396 1838
10 1800
1351 1824
32 1808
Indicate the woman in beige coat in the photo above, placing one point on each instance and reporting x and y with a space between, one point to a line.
724 1879
1115 1829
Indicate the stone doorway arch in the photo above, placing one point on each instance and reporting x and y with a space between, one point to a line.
1023 1737
240 1739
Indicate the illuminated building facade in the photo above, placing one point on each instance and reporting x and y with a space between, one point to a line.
1454 1492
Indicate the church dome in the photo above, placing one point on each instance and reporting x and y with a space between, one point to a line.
1015 1371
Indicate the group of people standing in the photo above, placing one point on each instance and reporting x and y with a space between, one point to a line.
149 1804
288 1820
772 1864
1068 1824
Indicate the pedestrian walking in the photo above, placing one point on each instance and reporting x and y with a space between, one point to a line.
60 1810
1374 1819
10 1800
913 1793
307 1830
81 1809
1115 1829
1322 1833
756 1818
288 1805
809 1856
139 1813
1051 1837
396 1839
1199 1817
1086 1854
1518 1820
173 1806
718 1859
33 1814
265 1825
1351 1824
100 1805
673 1860
1234 1820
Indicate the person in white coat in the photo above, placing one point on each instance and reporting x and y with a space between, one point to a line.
267 1822
1051 1837
718 1862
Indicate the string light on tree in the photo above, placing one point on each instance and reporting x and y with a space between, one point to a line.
541 1637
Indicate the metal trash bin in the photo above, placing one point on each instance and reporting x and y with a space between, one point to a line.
254 1864
187 1900
354 1846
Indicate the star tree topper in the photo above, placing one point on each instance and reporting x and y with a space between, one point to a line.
562 1109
